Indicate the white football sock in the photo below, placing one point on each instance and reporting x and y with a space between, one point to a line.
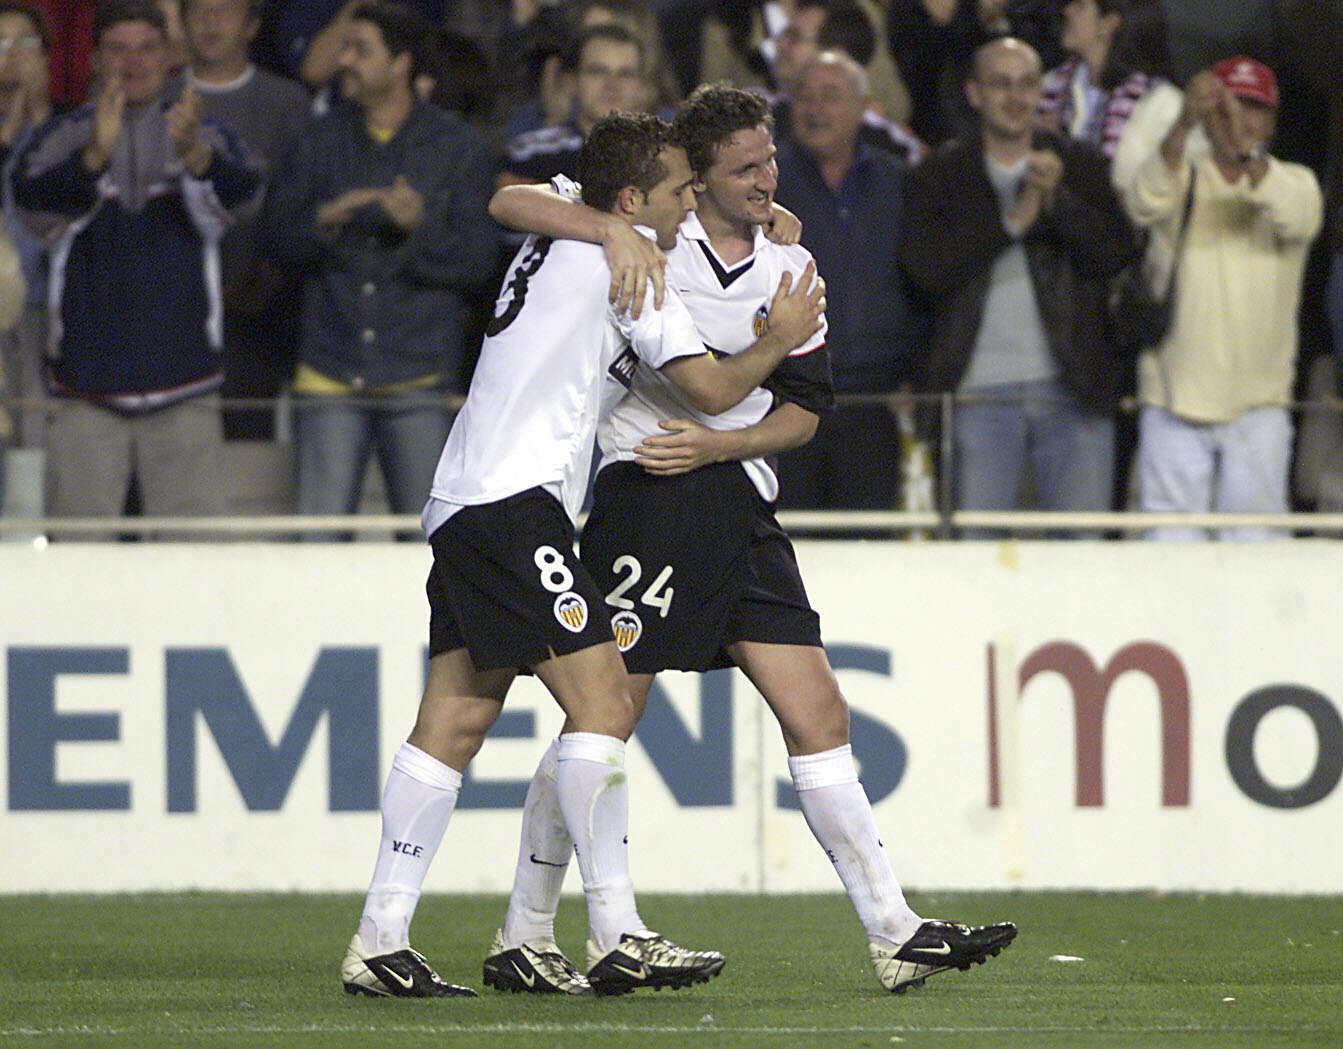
594 797
840 816
417 803
543 858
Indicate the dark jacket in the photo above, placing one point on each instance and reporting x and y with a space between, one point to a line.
382 306
135 255
955 233
855 237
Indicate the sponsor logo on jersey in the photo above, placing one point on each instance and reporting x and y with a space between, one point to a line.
760 322
628 628
571 611
622 368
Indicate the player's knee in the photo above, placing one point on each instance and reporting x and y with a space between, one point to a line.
454 728
611 714
826 725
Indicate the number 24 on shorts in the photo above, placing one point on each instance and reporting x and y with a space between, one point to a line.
658 595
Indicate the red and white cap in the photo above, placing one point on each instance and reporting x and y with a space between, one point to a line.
1248 79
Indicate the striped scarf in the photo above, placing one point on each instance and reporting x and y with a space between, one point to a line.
1059 96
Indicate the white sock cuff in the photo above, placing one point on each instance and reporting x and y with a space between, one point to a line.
829 768
591 746
425 768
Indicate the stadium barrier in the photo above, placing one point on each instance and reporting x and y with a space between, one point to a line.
261 487
1105 715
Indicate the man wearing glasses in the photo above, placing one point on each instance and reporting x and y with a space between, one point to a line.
605 71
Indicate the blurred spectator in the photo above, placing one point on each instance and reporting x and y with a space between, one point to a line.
70 36
1215 430
850 200
1112 92
856 27
734 37
934 42
24 106
840 26
267 112
1012 235
662 91
382 206
523 42
766 45
603 71
682 25
1118 70
296 31
133 192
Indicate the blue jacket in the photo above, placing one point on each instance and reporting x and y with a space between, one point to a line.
855 236
136 309
382 306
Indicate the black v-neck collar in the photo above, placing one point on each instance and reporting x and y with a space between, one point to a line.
725 277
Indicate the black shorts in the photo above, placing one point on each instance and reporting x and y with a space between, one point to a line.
506 585
691 564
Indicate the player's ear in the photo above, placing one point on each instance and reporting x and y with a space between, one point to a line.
629 200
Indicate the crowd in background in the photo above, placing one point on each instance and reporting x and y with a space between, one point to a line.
215 200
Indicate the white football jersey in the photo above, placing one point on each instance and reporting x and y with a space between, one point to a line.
730 307
542 382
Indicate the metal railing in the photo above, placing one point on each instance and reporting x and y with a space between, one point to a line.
943 522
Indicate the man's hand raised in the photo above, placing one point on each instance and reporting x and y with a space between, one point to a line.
184 132
107 113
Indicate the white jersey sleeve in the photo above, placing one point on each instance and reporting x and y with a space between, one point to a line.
567 188
660 336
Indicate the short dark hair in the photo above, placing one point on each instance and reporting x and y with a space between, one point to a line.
846 28
402 28
39 21
623 149
612 31
713 114
115 12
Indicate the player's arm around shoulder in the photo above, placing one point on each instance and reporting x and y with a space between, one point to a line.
714 384
556 211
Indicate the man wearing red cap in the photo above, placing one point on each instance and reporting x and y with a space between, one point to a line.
1214 433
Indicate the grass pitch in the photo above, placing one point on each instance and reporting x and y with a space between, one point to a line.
1156 972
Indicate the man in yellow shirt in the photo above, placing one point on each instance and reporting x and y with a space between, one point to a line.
1215 433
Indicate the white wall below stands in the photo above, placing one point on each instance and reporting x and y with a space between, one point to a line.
113 779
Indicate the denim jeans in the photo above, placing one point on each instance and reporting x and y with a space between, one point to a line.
1070 450
334 437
